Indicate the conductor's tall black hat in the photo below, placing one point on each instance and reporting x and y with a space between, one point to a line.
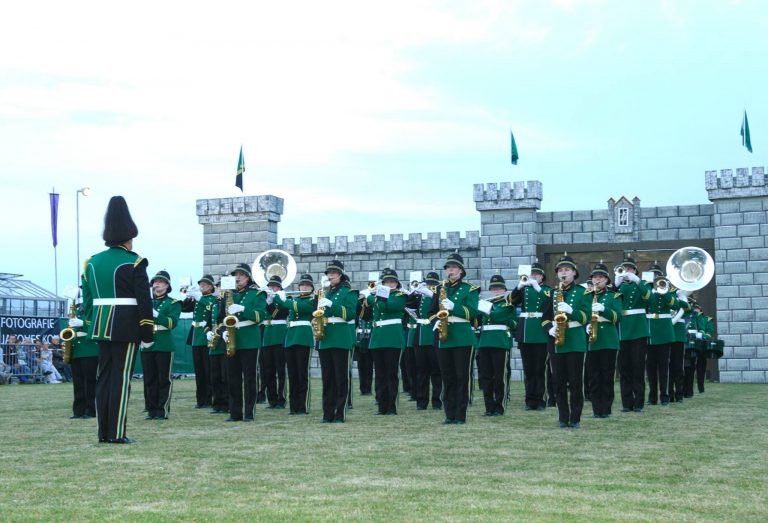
118 224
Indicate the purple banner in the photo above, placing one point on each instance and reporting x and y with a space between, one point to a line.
54 216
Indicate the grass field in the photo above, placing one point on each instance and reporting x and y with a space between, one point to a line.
703 460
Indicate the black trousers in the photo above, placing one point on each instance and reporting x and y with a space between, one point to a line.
657 367
241 379
272 365
568 373
550 383
534 357
631 362
84 385
427 369
364 369
386 363
201 362
297 359
409 378
455 369
689 371
157 382
701 370
220 396
334 369
676 371
602 371
113 387
493 378
405 372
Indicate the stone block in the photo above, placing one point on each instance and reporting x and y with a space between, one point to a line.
733 267
524 217
668 234
562 238
744 352
512 250
757 266
759 327
323 244
573 226
726 231
544 217
511 228
751 205
738 255
651 235
667 212
501 263
748 291
758 254
678 223
473 239
582 237
754 217
761 279
730 377
700 221
490 229
492 252
498 240
688 210
730 219
544 239
378 243
600 237
582 215
593 226
433 240
726 244
738 364
752 340
649 212
452 240
728 292
340 244
657 223
753 376
707 209
562 216
396 242
528 228
730 340
762 352
552 228
753 242
748 230
689 234
741 279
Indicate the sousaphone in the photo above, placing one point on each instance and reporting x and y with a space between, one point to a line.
690 269
274 262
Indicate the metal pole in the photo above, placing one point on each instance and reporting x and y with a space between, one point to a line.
77 214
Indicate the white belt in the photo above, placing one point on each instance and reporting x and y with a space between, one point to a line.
692 331
383 323
600 319
574 324
82 334
199 324
336 319
494 327
363 331
300 323
115 301
422 321
160 328
411 325
657 316
277 322
456 319
531 314
630 312
246 323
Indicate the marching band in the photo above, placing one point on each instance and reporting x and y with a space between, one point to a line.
641 326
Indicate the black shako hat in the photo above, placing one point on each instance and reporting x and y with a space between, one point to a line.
118 224
164 276
432 277
600 268
335 265
244 268
455 259
629 262
207 278
307 278
390 274
537 267
276 280
497 282
567 261
656 268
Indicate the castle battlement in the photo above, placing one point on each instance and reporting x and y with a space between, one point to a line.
725 184
378 243
508 195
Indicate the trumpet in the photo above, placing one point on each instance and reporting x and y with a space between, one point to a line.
661 285
524 279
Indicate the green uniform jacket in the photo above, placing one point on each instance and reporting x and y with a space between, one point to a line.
276 326
464 297
387 310
703 324
680 328
607 332
255 303
531 303
82 346
660 329
299 308
339 335
575 335
116 277
426 333
502 314
221 347
202 313
636 296
168 311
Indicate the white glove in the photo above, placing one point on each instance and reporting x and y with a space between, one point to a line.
533 283
155 314
269 292
682 295
209 335
225 336
589 328
235 308
366 292
194 293
145 345
424 290
553 331
269 299
618 281
521 285
447 304
202 324
75 322
677 318
631 276
564 307
281 294
699 336
324 302
598 307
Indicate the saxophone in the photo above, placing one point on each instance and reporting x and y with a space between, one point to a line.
67 336
442 313
214 341
230 322
561 319
594 320
319 321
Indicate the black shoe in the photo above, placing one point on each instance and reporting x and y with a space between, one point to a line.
665 404
338 421
89 416
626 409
449 421
325 421
498 413
541 407
597 416
551 404
421 407
489 413
576 425
248 418
460 422
379 413
292 413
652 402
149 417
103 440
230 419
122 441
639 410
77 417
437 407
528 407
563 424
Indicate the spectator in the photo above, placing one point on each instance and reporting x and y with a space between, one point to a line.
58 359
18 357
5 369
51 375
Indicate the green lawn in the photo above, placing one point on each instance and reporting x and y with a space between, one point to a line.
701 460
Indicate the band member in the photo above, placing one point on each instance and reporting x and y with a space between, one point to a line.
677 349
84 363
408 360
633 336
217 352
455 353
362 354
157 361
298 342
427 368
387 341
701 329
529 295
272 357
118 309
249 308
200 302
493 348
335 348
603 345
567 300
660 338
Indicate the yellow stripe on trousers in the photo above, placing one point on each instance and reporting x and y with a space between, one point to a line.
123 404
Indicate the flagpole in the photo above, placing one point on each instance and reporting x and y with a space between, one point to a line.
55 259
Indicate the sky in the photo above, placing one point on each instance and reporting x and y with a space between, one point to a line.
367 118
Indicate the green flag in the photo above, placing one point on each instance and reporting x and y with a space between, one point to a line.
240 171
515 156
745 141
